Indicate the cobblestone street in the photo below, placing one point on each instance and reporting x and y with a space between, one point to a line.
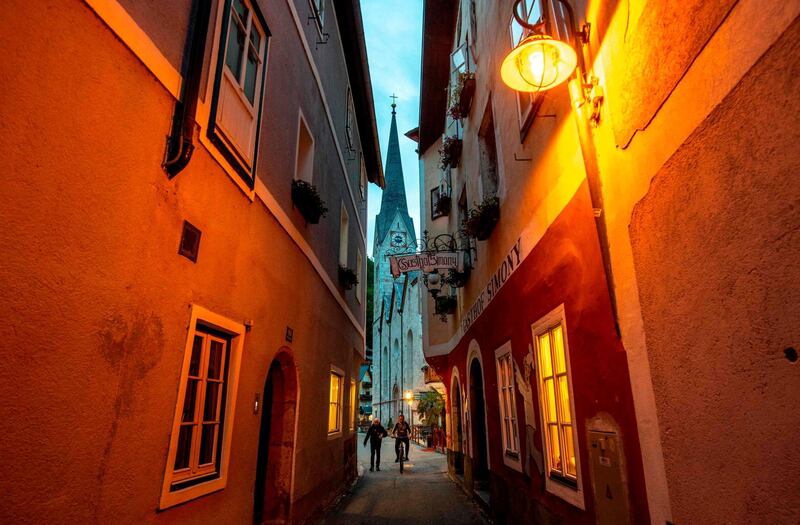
423 494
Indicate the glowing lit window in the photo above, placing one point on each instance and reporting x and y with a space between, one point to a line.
335 403
556 408
353 408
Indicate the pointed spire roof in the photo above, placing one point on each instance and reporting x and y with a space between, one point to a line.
393 200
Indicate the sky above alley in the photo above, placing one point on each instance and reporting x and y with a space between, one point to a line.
393 31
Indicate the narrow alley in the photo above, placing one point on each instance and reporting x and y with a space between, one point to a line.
422 494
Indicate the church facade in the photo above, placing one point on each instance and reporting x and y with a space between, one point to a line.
397 327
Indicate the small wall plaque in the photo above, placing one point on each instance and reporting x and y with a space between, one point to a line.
289 334
190 241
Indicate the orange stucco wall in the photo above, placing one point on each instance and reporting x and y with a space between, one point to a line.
715 244
95 298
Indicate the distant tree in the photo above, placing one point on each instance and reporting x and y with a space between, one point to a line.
370 298
430 406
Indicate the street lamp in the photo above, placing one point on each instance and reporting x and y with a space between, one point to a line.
541 62
409 396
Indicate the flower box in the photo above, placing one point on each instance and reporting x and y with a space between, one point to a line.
457 279
450 154
347 277
442 207
461 95
481 220
307 200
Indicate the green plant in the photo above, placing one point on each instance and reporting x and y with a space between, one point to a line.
461 94
442 205
430 406
347 277
450 153
457 279
480 220
307 200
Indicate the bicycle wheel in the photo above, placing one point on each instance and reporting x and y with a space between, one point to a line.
402 451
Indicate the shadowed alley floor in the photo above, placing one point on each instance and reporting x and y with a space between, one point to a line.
422 495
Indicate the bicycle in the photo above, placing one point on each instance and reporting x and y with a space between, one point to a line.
402 455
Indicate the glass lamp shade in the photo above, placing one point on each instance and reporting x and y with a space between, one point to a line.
538 63
433 279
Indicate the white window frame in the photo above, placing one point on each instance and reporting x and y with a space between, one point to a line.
235 331
506 396
572 495
362 185
337 432
318 14
525 117
350 122
302 124
216 145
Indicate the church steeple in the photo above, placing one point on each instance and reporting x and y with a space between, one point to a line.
393 200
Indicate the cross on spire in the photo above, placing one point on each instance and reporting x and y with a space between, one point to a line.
394 101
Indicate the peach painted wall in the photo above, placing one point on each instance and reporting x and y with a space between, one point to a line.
95 299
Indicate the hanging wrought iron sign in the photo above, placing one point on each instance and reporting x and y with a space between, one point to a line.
426 262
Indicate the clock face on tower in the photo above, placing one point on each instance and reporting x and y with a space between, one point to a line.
398 238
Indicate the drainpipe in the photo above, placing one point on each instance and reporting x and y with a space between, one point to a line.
589 154
179 144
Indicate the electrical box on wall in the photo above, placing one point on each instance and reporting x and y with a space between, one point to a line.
608 480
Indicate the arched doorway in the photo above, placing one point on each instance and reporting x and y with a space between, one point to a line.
272 497
455 422
480 460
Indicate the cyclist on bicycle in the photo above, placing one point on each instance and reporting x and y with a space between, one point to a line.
401 433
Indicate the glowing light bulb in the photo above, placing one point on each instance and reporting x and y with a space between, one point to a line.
538 63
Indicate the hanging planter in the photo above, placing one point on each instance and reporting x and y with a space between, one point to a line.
467 91
450 153
457 279
442 206
347 277
307 200
445 305
461 94
481 220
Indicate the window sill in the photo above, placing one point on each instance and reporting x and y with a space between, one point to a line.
512 460
170 499
572 494
334 435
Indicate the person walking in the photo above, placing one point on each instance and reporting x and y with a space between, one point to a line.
401 432
375 434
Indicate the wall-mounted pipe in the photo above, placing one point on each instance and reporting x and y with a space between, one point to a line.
180 144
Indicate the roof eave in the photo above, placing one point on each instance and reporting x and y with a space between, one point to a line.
351 28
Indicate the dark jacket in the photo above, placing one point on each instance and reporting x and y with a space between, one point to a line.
401 430
374 435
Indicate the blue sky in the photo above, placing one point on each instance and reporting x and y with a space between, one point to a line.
393 31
